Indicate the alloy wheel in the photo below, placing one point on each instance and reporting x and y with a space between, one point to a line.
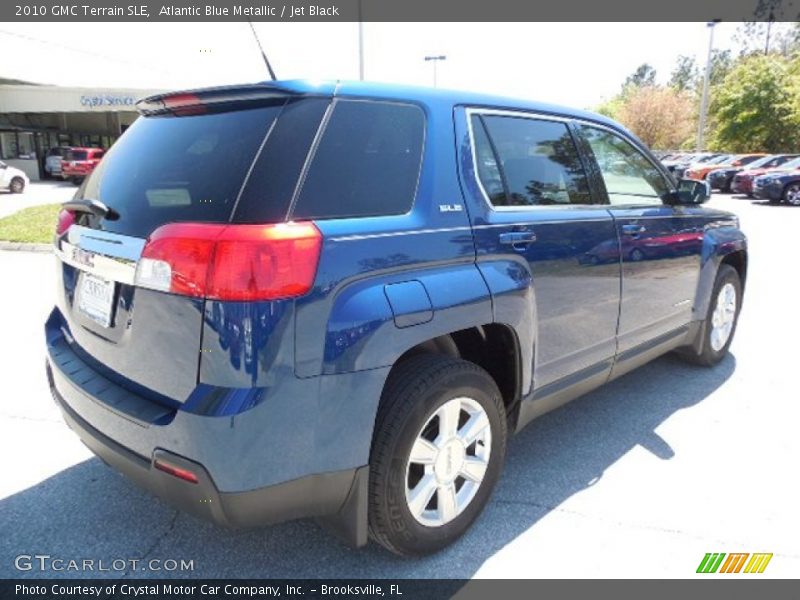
723 317
448 462
792 194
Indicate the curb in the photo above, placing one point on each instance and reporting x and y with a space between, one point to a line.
25 247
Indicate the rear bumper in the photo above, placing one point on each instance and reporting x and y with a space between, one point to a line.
243 479
719 182
742 186
310 496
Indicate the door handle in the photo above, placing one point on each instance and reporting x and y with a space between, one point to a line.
517 238
633 229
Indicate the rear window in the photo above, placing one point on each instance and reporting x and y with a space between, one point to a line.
187 168
76 155
366 164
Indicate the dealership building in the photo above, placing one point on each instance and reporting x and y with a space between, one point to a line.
35 118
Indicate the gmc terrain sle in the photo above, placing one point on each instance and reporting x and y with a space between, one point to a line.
288 300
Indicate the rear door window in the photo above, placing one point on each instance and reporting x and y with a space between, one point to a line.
523 161
367 162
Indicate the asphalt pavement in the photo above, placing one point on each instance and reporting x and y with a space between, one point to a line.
640 478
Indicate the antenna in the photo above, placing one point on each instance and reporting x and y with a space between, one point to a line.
263 54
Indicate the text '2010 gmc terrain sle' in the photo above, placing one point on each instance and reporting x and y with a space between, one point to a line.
338 301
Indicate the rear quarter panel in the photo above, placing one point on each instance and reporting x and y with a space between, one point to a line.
347 322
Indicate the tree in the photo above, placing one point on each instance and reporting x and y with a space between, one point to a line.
662 117
684 76
721 65
644 75
755 107
778 34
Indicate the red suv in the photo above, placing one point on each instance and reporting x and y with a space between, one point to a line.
79 163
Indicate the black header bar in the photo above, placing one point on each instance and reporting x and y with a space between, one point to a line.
401 10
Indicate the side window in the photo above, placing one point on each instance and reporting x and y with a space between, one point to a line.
525 162
367 162
630 178
486 161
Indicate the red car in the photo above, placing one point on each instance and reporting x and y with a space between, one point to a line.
79 162
743 180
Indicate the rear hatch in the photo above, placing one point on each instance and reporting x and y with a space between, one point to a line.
209 159
76 161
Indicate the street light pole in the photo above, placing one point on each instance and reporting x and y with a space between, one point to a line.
701 126
435 59
769 30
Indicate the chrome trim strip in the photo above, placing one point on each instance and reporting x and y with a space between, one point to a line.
349 238
370 236
110 268
107 243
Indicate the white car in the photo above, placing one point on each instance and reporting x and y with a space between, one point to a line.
12 179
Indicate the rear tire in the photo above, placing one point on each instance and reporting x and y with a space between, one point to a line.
17 185
437 452
719 325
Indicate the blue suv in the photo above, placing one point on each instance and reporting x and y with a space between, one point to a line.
338 301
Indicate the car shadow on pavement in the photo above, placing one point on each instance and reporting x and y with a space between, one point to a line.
88 511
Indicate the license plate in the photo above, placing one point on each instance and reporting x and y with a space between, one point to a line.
96 299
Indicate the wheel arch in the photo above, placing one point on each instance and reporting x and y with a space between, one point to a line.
495 347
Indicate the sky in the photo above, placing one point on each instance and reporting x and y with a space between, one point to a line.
574 64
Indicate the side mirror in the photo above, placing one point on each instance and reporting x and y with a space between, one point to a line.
690 191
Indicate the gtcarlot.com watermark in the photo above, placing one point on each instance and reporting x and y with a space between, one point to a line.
47 562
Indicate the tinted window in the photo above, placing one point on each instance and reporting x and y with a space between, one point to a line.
272 182
186 168
629 177
486 163
76 155
748 159
537 162
367 162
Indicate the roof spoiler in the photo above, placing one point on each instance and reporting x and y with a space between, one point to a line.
195 102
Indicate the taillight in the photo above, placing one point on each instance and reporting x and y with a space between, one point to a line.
231 262
66 219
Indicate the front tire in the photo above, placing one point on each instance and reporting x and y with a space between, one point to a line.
721 319
791 195
438 450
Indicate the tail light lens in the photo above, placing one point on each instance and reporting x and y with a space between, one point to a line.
231 262
66 219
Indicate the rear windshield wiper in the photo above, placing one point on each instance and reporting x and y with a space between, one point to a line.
93 207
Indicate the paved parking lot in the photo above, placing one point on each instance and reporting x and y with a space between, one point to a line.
638 479
40 192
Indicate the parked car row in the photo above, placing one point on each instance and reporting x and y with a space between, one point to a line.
72 163
773 177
